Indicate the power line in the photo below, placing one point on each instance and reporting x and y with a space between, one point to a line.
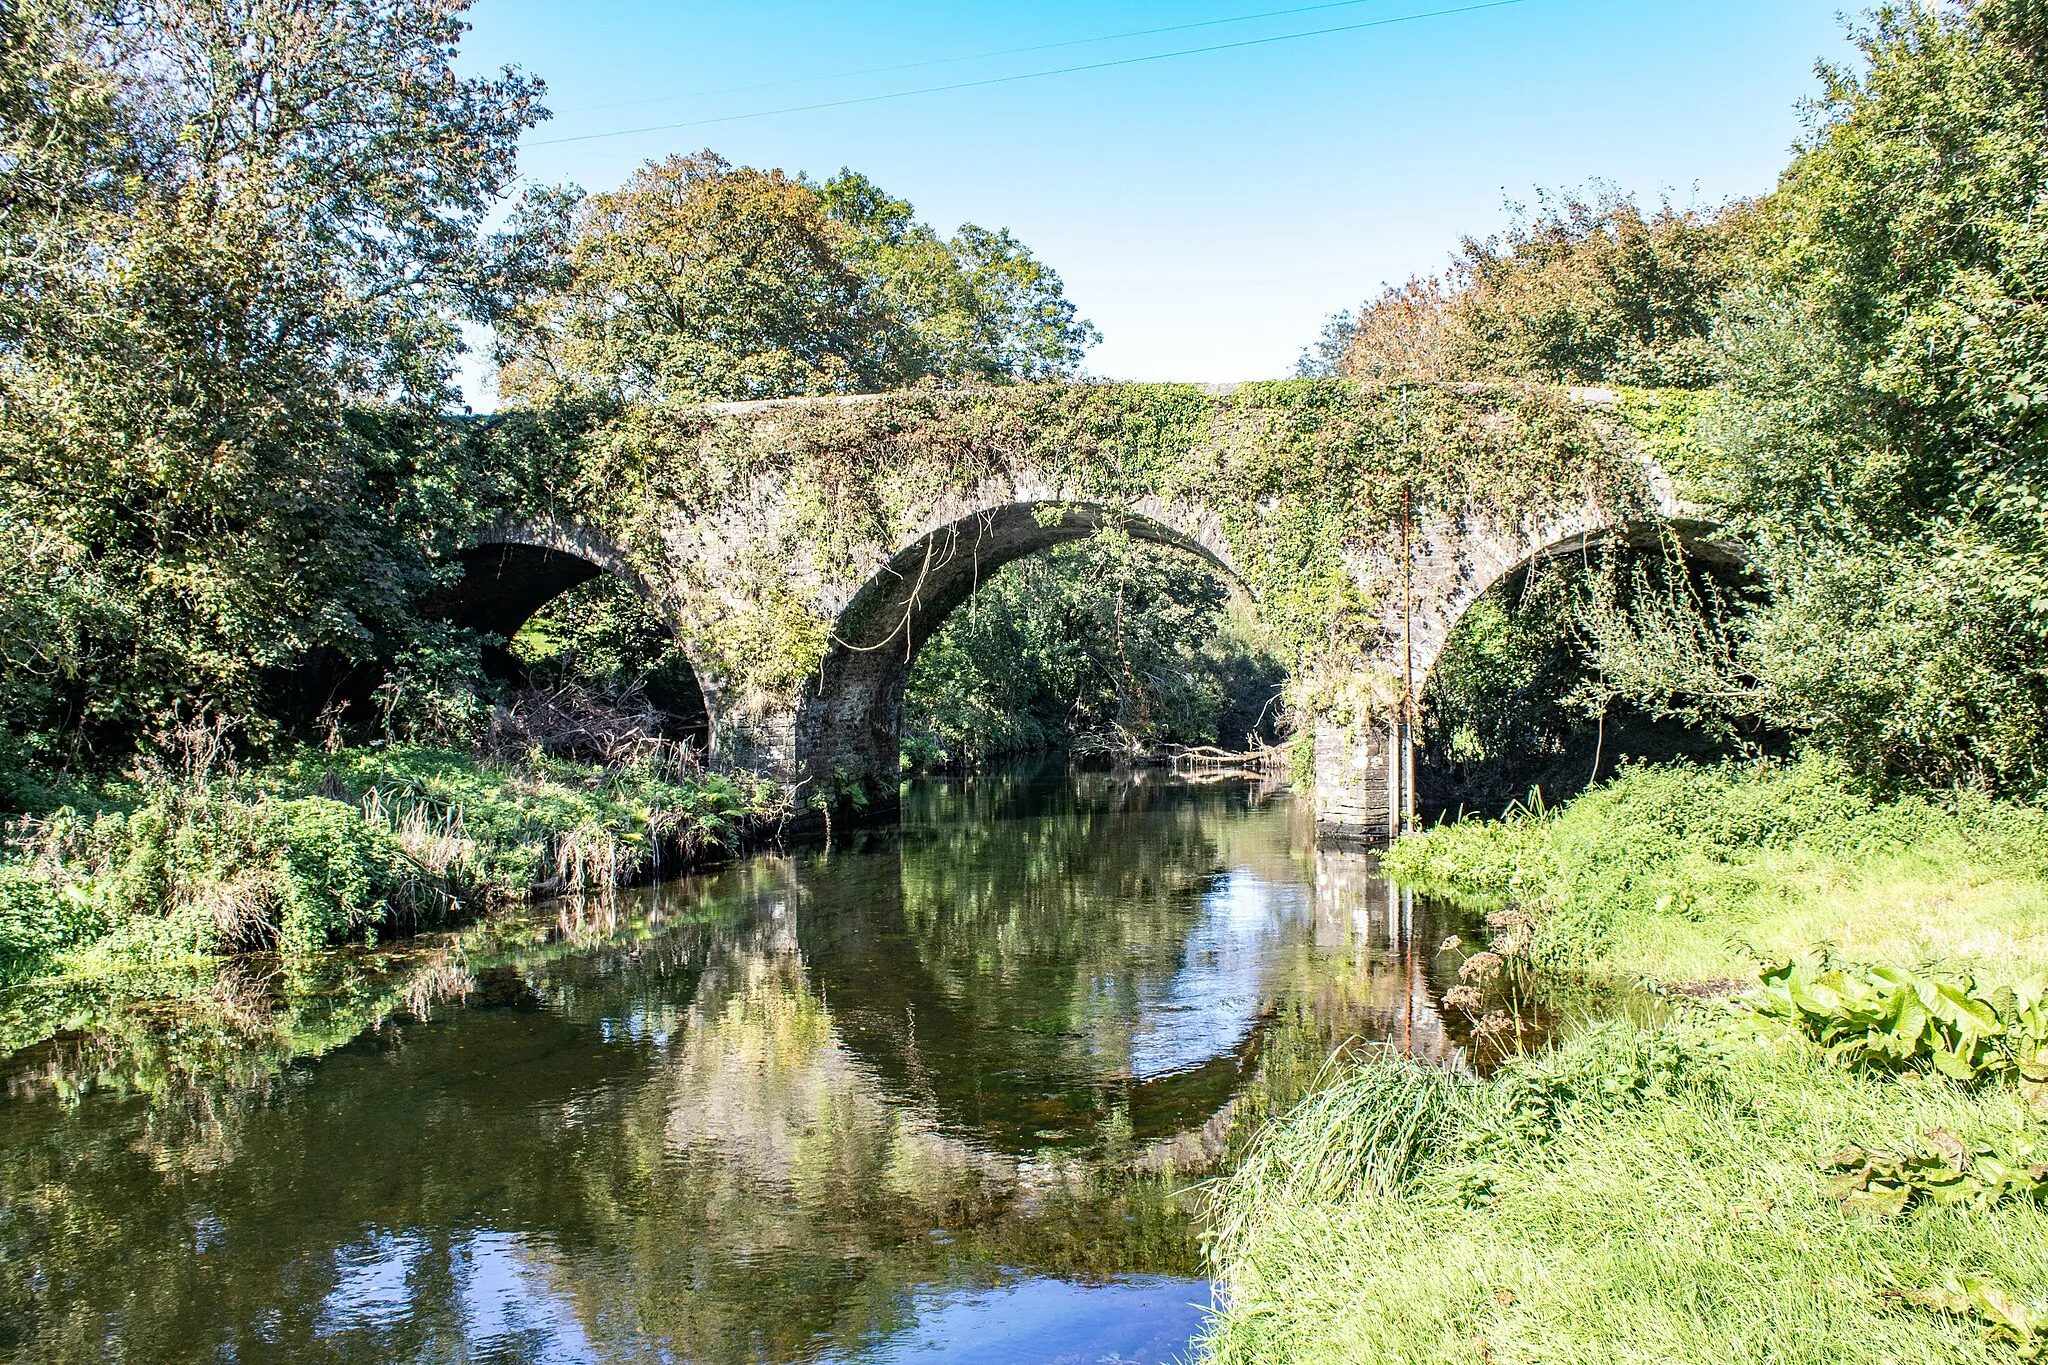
968 57
1028 75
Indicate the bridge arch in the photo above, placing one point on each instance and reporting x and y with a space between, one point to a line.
515 567
1486 562
848 725
1452 566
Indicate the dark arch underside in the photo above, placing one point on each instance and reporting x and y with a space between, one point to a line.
849 724
504 583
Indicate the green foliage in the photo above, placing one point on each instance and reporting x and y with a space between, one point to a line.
1878 448
233 227
1587 290
1974 1296
1587 661
1360 1137
980 307
1609 1067
1667 863
203 870
1670 1168
1110 641
321 849
39 918
336 874
701 280
1942 1169
1891 1018
1594 291
1505 677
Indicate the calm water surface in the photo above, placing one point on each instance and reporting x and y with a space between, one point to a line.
936 1096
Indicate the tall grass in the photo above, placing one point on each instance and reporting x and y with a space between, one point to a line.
1660 1191
1362 1137
1578 1213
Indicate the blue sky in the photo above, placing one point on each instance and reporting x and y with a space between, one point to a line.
1207 211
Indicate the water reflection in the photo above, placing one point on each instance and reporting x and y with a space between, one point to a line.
942 1092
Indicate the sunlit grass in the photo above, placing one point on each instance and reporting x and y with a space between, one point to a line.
1689 1223
1658 1191
1687 874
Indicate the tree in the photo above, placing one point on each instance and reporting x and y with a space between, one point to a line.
225 226
1589 290
1111 642
702 280
1882 440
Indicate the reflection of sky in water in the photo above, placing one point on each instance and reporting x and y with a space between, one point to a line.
1142 1320
505 1305
371 1284
1210 1003
506 1308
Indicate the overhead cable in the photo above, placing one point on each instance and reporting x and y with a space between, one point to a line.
968 57
1026 75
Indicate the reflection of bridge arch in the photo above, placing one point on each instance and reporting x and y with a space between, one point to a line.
849 722
1013 1085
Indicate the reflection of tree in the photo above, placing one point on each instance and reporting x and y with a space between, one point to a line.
1000 971
724 1123
685 1157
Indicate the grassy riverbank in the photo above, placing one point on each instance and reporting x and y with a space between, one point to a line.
319 849
1688 874
1665 1190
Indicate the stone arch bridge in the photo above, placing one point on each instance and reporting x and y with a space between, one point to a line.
801 584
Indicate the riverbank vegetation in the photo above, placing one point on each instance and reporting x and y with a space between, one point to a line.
1685 875
1824 1135
193 854
1642 1193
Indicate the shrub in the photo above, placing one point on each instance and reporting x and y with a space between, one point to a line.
38 919
336 875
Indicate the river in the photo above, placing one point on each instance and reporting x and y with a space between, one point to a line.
938 1093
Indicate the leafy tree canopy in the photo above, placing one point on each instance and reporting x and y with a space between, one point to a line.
1588 290
1881 440
702 280
222 226
1110 644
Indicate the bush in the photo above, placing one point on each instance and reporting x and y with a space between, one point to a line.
38 919
337 876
